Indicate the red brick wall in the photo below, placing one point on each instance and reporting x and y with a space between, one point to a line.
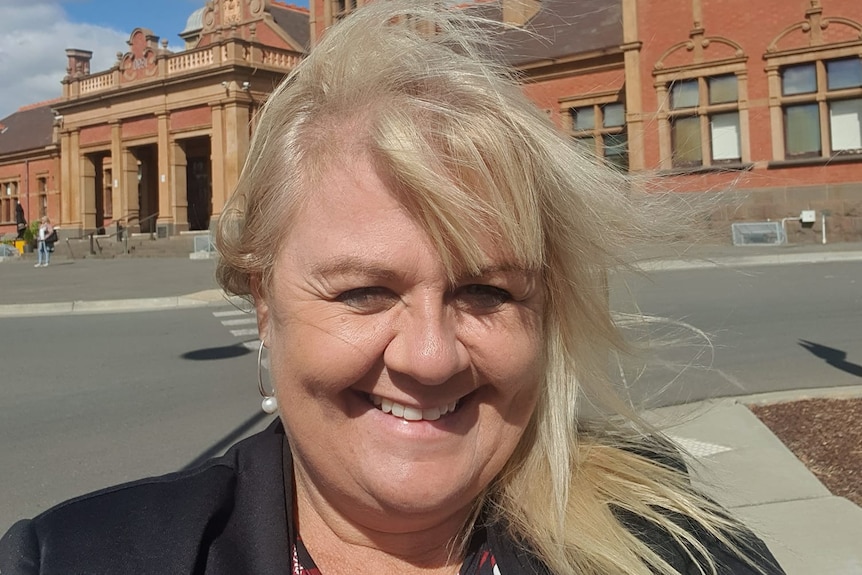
140 127
546 94
95 135
319 26
752 25
27 176
191 118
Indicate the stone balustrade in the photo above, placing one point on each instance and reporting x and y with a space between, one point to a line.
182 63
97 82
192 60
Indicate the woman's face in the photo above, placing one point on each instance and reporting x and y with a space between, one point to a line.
402 395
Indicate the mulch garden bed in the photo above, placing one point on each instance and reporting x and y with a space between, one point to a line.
826 435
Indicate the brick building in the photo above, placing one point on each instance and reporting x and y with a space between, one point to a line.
760 98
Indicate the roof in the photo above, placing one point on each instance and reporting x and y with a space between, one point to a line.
195 22
561 28
30 128
294 21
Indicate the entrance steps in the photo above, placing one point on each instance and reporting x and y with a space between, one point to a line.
139 246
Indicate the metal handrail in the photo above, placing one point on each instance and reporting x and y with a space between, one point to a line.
125 237
94 243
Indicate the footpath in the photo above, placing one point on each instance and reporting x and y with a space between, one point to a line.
735 457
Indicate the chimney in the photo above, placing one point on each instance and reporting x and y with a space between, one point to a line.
519 12
78 63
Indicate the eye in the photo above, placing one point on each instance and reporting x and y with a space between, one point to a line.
481 298
368 299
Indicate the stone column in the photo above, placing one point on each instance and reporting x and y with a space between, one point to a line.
775 113
120 209
217 151
76 218
164 162
65 184
633 87
87 196
127 173
236 118
179 183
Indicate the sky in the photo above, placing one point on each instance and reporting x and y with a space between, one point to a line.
36 33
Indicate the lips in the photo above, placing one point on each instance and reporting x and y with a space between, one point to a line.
412 413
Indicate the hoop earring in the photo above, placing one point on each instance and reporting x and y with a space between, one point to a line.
269 403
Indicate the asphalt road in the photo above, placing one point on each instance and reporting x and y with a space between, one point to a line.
744 331
93 400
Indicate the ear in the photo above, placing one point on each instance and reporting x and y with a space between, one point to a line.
261 309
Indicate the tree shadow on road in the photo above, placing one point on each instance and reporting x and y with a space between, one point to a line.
210 353
834 357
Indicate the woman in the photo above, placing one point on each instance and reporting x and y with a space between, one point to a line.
427 258
43 254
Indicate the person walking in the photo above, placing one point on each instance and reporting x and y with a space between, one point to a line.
43 253
20 220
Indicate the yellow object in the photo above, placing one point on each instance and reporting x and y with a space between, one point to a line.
19 245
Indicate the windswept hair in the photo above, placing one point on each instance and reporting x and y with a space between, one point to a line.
418 89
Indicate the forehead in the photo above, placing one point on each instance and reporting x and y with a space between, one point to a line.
352 216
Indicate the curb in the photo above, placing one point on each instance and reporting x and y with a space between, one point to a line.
749 261
786 396
199 299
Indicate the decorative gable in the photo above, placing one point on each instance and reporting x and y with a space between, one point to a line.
140 61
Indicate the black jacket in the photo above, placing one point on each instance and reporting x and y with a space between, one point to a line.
228 517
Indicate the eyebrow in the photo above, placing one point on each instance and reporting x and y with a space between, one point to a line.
356 266
353 266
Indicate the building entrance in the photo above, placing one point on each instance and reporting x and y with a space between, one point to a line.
198 182
95 188
148 186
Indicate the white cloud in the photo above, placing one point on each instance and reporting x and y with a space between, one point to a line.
35 36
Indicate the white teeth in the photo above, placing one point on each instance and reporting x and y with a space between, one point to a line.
412 413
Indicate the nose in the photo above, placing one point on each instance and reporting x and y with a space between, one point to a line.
426 346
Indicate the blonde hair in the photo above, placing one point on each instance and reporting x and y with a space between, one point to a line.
415 87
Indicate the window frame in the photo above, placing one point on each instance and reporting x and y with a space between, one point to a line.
341 8
819 57
8 198
665 78
599 133
704 110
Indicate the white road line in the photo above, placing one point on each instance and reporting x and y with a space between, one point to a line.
252 345
243 332
243 321
230 313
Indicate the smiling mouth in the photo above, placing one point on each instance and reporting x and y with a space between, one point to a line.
411 413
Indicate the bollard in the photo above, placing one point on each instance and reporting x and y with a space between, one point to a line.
92 246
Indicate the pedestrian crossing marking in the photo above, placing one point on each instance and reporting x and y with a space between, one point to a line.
252 345
230 313
699 448
244 321
243 332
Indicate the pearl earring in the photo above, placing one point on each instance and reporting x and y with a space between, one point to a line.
269 403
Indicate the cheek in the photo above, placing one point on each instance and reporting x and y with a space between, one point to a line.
320 353
511 355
